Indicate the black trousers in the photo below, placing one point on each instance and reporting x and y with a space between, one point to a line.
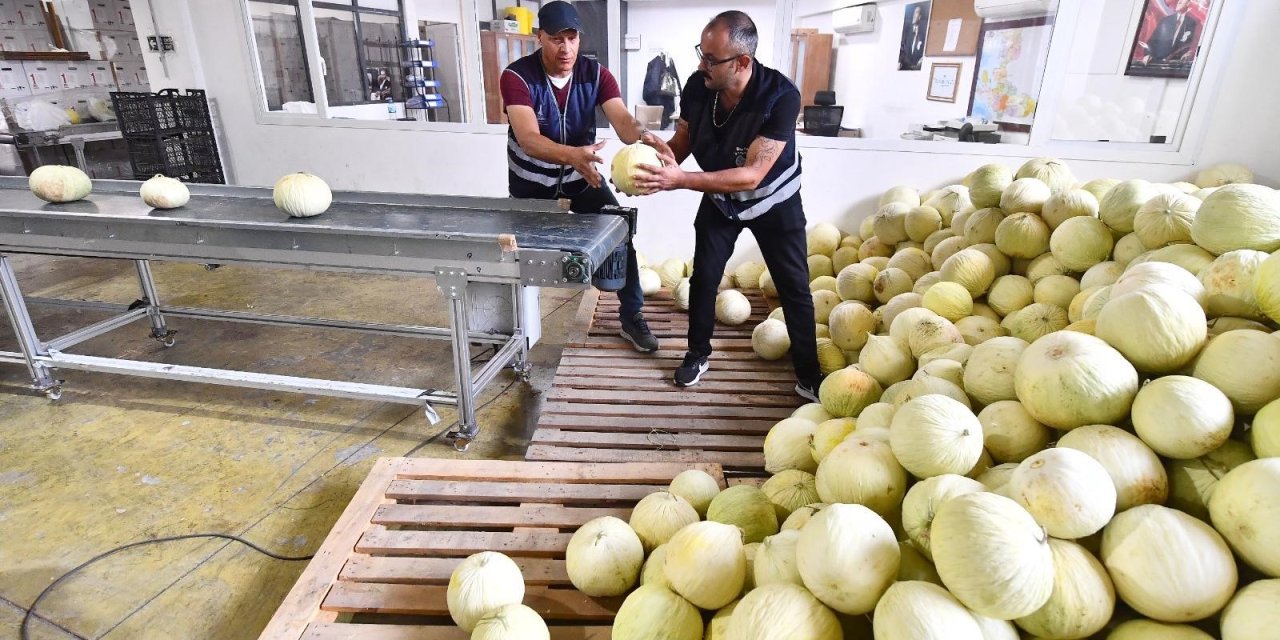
781 237
592 200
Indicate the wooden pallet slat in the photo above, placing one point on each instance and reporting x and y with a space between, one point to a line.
383 571
665 375
429 600
737 387
607 410
628 424
480 517
654 440
683 398
738 460
672 354
349 631
401 570
479 491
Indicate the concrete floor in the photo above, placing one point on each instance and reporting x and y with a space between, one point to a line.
121 459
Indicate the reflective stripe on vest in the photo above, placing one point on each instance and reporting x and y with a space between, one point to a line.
746 205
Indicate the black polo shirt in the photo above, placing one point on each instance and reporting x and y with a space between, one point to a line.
769 107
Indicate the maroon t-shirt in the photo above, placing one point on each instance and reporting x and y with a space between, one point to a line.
515 92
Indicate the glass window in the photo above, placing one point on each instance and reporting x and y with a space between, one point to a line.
343 73
361 50
1130 69
919 70
381 40
277 32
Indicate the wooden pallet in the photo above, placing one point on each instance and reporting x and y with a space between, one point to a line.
383 571
610 403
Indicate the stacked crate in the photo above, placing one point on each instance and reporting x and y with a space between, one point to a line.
169 133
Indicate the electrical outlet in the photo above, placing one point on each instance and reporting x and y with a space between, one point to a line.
166 43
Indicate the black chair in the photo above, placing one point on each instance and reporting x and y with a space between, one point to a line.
823 117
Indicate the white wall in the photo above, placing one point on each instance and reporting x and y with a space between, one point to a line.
676 26
433 11
182 67
839 185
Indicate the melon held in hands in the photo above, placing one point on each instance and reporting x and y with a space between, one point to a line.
626 163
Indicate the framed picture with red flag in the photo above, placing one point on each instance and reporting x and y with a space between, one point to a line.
1167 39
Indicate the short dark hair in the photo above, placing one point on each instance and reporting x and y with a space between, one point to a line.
742 30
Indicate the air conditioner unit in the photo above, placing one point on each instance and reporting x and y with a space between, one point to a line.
1006 9
859 19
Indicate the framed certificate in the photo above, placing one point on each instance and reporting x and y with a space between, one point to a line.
944 79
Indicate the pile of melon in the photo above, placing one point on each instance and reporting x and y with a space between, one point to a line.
1051 410
1062 398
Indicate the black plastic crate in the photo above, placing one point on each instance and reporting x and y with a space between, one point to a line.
202 151
192 109
190 157
144 114
166 155
165 112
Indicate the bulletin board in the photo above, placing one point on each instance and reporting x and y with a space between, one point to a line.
940 21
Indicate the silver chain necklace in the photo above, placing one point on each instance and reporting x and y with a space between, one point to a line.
715 106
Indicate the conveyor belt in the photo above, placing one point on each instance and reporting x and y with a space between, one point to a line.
459 241
383 232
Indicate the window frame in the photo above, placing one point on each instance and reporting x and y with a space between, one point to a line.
1198 105
255 57
356 10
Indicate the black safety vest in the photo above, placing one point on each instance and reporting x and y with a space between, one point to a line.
574 126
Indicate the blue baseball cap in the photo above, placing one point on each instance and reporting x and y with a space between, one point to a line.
558 16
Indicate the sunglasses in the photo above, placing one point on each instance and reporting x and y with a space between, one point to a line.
708 60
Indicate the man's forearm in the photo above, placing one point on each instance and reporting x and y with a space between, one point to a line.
726 181
631 131
545 149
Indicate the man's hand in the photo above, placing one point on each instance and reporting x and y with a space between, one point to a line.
585 161
653 179
654 141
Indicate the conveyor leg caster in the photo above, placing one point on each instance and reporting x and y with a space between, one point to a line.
165 336
524 370
462 437
52 391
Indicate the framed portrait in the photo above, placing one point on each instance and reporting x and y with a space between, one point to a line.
944 78
915 29
1010 68
1167 39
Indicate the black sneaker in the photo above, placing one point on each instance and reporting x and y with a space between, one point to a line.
637 332
808 390
691 370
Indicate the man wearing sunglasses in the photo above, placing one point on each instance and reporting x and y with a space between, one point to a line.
550 98
738 120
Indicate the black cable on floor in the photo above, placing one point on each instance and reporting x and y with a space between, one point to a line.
26 619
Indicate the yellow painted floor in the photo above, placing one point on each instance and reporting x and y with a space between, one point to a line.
121 459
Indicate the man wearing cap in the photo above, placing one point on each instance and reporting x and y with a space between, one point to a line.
738 120
550 98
